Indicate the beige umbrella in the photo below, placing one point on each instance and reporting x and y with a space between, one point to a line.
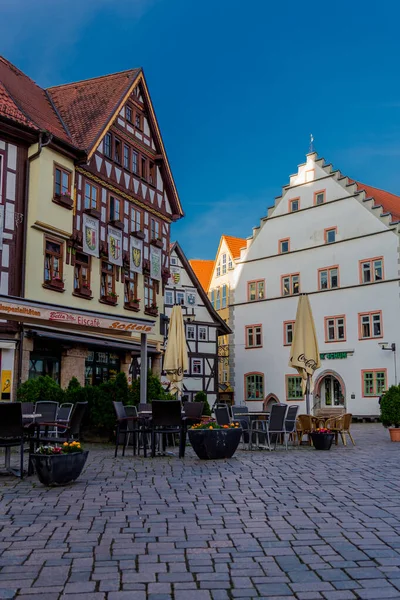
304 352
176 356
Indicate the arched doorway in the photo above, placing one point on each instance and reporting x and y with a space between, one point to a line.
269 401
330 390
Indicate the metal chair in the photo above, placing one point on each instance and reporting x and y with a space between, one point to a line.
239 414
12 434
48 411
193 411
28 408
167 419
291 421
222 415
273 427
125 427
144 407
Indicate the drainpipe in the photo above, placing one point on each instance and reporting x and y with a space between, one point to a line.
41 144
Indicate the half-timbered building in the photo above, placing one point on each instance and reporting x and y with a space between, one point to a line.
100 200
203 326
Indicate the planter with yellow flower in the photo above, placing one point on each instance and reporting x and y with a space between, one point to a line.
59 465
211 441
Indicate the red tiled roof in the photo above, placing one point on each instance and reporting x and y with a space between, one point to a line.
30 100
10 110
234 244
203 270
87 106
389 202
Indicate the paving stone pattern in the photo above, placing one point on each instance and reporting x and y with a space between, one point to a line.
301 524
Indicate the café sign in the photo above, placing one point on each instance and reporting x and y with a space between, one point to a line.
26 311
333 355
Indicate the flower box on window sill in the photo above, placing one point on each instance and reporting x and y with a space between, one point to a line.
109 299
157 243
93 212
151 310
83 290
54 284
117 224
138 234
133 305
64 200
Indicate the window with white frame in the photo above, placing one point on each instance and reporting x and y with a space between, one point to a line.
288 330
335 329
328 278
230 265
294 205
202 333
174 260
370 325
180 298
290 284
136 219
330 235
256 290
169 297
197 366
371 270
224 303
319 198
218 299
212 298
284 246
190 332
254 336
218 268
223 264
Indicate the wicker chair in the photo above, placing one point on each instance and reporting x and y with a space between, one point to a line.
304 426
341 425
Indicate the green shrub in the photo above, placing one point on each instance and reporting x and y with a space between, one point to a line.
155 390
390 407
202 397
40 389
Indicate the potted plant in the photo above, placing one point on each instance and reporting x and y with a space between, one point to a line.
59 465
322 438
390 411
57 282
134 302
110 298
211 441
152 309
202 397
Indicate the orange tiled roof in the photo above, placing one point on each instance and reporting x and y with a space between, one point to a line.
203 270
234 244
29 100
390 202
87 106
10 110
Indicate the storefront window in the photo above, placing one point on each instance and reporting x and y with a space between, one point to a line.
100 367
43 364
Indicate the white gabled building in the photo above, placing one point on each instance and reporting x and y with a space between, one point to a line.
202 323
338 241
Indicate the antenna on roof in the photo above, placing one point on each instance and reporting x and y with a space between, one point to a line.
311 148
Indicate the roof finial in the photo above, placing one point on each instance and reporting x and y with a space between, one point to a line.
311 148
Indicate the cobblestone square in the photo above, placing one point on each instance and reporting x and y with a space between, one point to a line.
299 525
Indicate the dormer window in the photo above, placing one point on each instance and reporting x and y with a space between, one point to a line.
128 113
294 205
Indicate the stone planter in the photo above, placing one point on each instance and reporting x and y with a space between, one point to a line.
210 444
322 441
394 434
58 469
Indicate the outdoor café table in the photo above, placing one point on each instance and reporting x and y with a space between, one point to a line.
253 416
32 428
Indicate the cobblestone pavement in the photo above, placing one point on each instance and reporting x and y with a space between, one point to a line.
299 525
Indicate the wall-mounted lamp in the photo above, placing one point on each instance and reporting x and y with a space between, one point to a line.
392 348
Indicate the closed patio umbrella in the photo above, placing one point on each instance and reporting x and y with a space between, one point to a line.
304 352
176 356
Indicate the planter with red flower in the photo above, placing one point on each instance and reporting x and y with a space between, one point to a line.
322 438
56 283
211 441
84 290
133 304
110 298
59 465
151 310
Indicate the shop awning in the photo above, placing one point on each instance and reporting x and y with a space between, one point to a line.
90 341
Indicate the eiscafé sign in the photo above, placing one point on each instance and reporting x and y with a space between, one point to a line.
30 312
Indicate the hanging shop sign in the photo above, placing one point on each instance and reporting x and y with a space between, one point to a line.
115 246
90 235
136 255
155 263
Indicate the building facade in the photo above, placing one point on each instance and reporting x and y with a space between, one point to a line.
100 198
203 326
221 288
336 240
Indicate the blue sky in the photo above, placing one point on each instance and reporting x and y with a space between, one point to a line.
238 86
